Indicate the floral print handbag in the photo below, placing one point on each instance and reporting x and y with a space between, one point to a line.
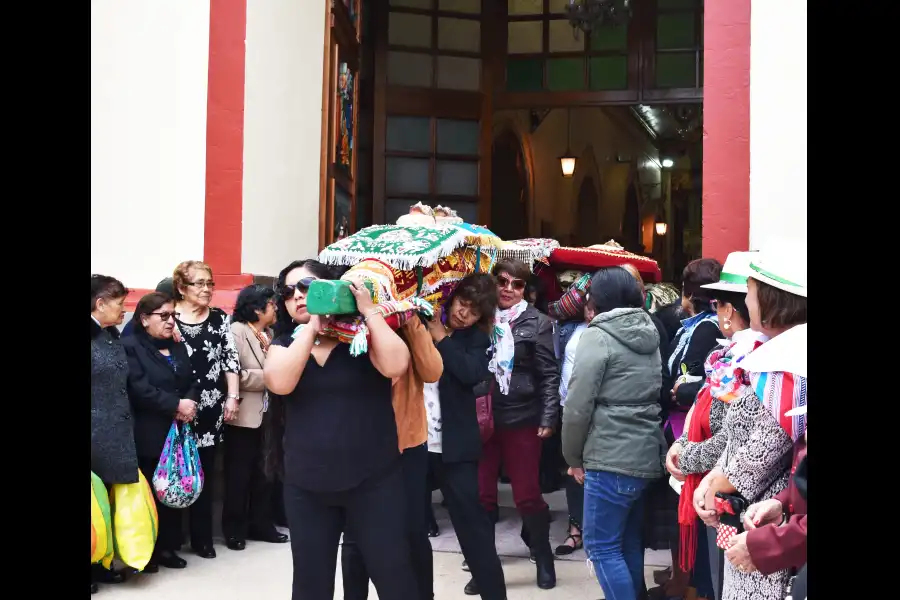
178 479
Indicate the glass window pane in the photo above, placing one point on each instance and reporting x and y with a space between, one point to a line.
410 3
565 74
459 34
405 29
467 211
610 37
457 178
405 68
674 31
408 134
525 37
464 6
407 175
455 73
676 70
524 75
342 209
457 137
525 7
558 7
609 73
562 39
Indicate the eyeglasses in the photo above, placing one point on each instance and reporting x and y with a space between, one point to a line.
165 316
504 282
203 284
288 291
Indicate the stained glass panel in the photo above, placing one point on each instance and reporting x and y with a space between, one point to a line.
610 37
524 75
558 7
406 29
675 31
456 73
408 134
525 7
564 74
344 152
676 70
525 37
472 7
457 137
406 68
459 34
609 73
562 39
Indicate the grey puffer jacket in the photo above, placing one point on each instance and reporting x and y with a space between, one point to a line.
611 417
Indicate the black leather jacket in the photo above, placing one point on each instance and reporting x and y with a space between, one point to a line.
533 397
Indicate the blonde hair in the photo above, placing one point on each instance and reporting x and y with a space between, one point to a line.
181 274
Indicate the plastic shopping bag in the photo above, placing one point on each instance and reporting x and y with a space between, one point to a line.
101 524
134 521
178 479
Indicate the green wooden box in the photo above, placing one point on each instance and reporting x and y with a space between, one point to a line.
328 297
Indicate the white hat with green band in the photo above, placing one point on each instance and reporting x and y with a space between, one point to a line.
734 273
784 269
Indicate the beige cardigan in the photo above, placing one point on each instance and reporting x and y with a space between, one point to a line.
253 386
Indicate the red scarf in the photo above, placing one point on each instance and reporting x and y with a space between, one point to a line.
698 431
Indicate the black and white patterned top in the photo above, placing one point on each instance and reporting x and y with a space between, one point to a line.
757 461
213 353
700 457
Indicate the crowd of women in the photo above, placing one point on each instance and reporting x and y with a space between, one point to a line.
351 446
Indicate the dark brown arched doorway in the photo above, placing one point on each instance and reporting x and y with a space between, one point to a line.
509 188
631 222
588 214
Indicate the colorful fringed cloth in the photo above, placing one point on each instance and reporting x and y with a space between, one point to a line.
398 246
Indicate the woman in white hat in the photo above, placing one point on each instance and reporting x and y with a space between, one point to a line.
756 461
695 453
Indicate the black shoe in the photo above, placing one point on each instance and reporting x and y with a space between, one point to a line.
101 575
538 528
204 551
151 568
471 588
235 543
170 560
94 588
433 529
271 537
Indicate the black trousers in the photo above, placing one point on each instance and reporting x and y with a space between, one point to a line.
414 465
168 533
200 512
377 509
247 506
458 483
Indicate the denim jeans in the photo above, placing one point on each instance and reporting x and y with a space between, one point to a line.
613 509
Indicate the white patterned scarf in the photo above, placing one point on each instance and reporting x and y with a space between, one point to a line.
503 347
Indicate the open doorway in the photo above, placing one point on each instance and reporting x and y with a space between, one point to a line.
509 188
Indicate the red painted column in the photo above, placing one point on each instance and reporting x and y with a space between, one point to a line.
225 143
726 128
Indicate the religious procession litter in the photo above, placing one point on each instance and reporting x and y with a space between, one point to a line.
432 355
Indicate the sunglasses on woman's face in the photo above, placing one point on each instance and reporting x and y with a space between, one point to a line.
165 316
288 291
505 282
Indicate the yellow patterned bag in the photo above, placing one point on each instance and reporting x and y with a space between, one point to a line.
101 524
135 522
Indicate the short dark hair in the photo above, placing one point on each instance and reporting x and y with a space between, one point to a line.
480 290
149 303
514 267
104 286
166 286
778 308
251 299
737 299
283 322
698 273
613 287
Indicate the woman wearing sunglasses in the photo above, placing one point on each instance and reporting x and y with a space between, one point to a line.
341 457
206 332
525 400
161 389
